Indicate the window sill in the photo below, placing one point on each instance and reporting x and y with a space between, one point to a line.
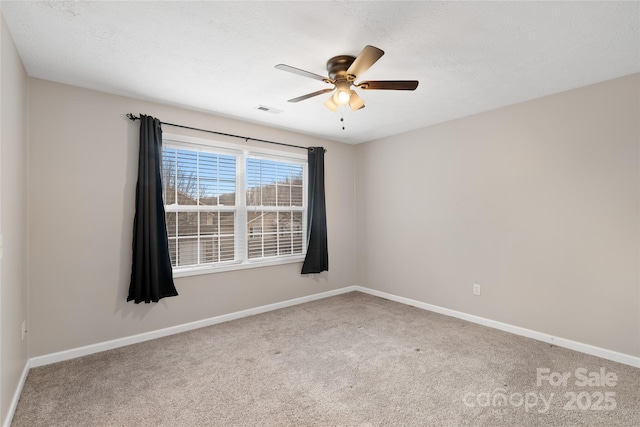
195 271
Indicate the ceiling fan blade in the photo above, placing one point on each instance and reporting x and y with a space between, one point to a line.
330 104
355 102
389 85
365 60
310 95
303 73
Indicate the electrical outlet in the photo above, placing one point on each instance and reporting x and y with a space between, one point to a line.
476 289
24 329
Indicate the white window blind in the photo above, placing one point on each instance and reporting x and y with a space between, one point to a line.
275 208
231 208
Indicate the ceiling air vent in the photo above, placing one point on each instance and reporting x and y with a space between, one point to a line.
268 109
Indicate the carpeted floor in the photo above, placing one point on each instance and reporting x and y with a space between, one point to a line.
349 360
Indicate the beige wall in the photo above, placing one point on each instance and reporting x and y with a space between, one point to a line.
83 160
537 202
13 223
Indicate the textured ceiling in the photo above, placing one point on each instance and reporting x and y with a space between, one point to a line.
219 57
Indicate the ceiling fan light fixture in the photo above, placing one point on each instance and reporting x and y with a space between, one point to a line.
330 104
342 97
343 93
355 102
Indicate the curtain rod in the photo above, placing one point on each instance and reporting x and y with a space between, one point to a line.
246 138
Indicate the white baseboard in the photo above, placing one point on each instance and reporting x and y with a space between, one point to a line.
16 395
121 342
604 353
48 359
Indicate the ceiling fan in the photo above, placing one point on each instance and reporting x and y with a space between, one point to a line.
343 71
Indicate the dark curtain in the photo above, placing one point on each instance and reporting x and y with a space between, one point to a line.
317 259
151 276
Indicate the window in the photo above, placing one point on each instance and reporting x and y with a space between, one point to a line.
228 207
275 210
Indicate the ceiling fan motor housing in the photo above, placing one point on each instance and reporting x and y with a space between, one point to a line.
338 66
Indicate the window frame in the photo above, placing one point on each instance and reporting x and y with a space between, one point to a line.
241 233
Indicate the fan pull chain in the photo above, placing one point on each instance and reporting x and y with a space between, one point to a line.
342 120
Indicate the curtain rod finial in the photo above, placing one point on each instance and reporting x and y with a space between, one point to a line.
313 149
